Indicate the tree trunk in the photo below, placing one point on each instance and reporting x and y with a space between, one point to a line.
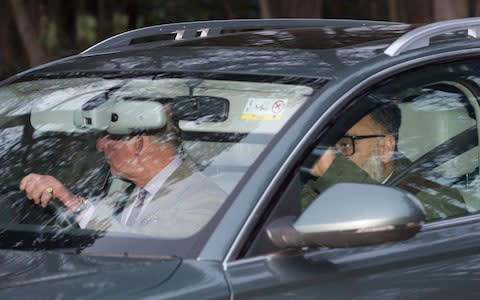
68 25
292 8
228 9
104 19
6 53
132 12
372 10
265 10
450 9
393 11
419 11
29 35
8 63
475 8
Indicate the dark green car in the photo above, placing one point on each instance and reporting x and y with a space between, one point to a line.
288 193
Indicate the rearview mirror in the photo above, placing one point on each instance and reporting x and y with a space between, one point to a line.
200 108
352 214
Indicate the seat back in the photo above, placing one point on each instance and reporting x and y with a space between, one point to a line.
224 163
427 124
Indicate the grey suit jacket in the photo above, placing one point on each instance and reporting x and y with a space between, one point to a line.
182 206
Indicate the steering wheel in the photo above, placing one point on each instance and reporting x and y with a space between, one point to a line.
15 207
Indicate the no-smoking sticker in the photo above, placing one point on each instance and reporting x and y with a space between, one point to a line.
264 109
278 106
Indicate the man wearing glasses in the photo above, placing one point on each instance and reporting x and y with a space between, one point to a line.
367 153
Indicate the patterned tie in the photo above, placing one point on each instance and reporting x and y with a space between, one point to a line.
142 194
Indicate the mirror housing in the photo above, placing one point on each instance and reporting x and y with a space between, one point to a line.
122 117
351 214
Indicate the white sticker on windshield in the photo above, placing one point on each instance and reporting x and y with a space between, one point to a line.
264 109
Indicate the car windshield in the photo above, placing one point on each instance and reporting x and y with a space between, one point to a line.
94 135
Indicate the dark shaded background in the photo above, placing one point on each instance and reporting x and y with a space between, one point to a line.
36 31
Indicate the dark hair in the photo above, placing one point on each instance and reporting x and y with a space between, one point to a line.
389 117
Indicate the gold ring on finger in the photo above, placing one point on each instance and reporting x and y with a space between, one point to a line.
50 191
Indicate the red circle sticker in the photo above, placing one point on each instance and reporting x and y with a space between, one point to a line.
278 106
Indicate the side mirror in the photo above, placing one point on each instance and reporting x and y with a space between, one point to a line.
351 214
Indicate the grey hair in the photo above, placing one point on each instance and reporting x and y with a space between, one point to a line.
169 134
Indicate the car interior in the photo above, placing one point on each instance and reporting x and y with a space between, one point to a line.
439 127
438 134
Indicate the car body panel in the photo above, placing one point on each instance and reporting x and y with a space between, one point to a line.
88 277
51 274
435 264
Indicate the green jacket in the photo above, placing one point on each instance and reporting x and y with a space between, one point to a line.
439 201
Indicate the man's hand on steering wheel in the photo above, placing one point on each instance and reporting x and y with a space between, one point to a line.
41 189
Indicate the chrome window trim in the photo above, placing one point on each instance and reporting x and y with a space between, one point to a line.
250 260
234 248
451 221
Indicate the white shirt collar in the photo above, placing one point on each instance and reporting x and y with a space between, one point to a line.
153 186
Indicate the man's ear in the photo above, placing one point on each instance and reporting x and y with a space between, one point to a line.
168 110
388 148
138 144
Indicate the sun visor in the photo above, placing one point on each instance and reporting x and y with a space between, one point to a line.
54 120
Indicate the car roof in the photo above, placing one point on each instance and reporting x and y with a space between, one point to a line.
283 47
320 48
221 32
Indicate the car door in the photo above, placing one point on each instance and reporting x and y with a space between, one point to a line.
439 262
438 137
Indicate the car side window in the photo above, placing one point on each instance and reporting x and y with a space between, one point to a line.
418 133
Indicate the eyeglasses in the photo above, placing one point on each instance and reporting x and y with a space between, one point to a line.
346 144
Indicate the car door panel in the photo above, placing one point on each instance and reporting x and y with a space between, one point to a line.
436 264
